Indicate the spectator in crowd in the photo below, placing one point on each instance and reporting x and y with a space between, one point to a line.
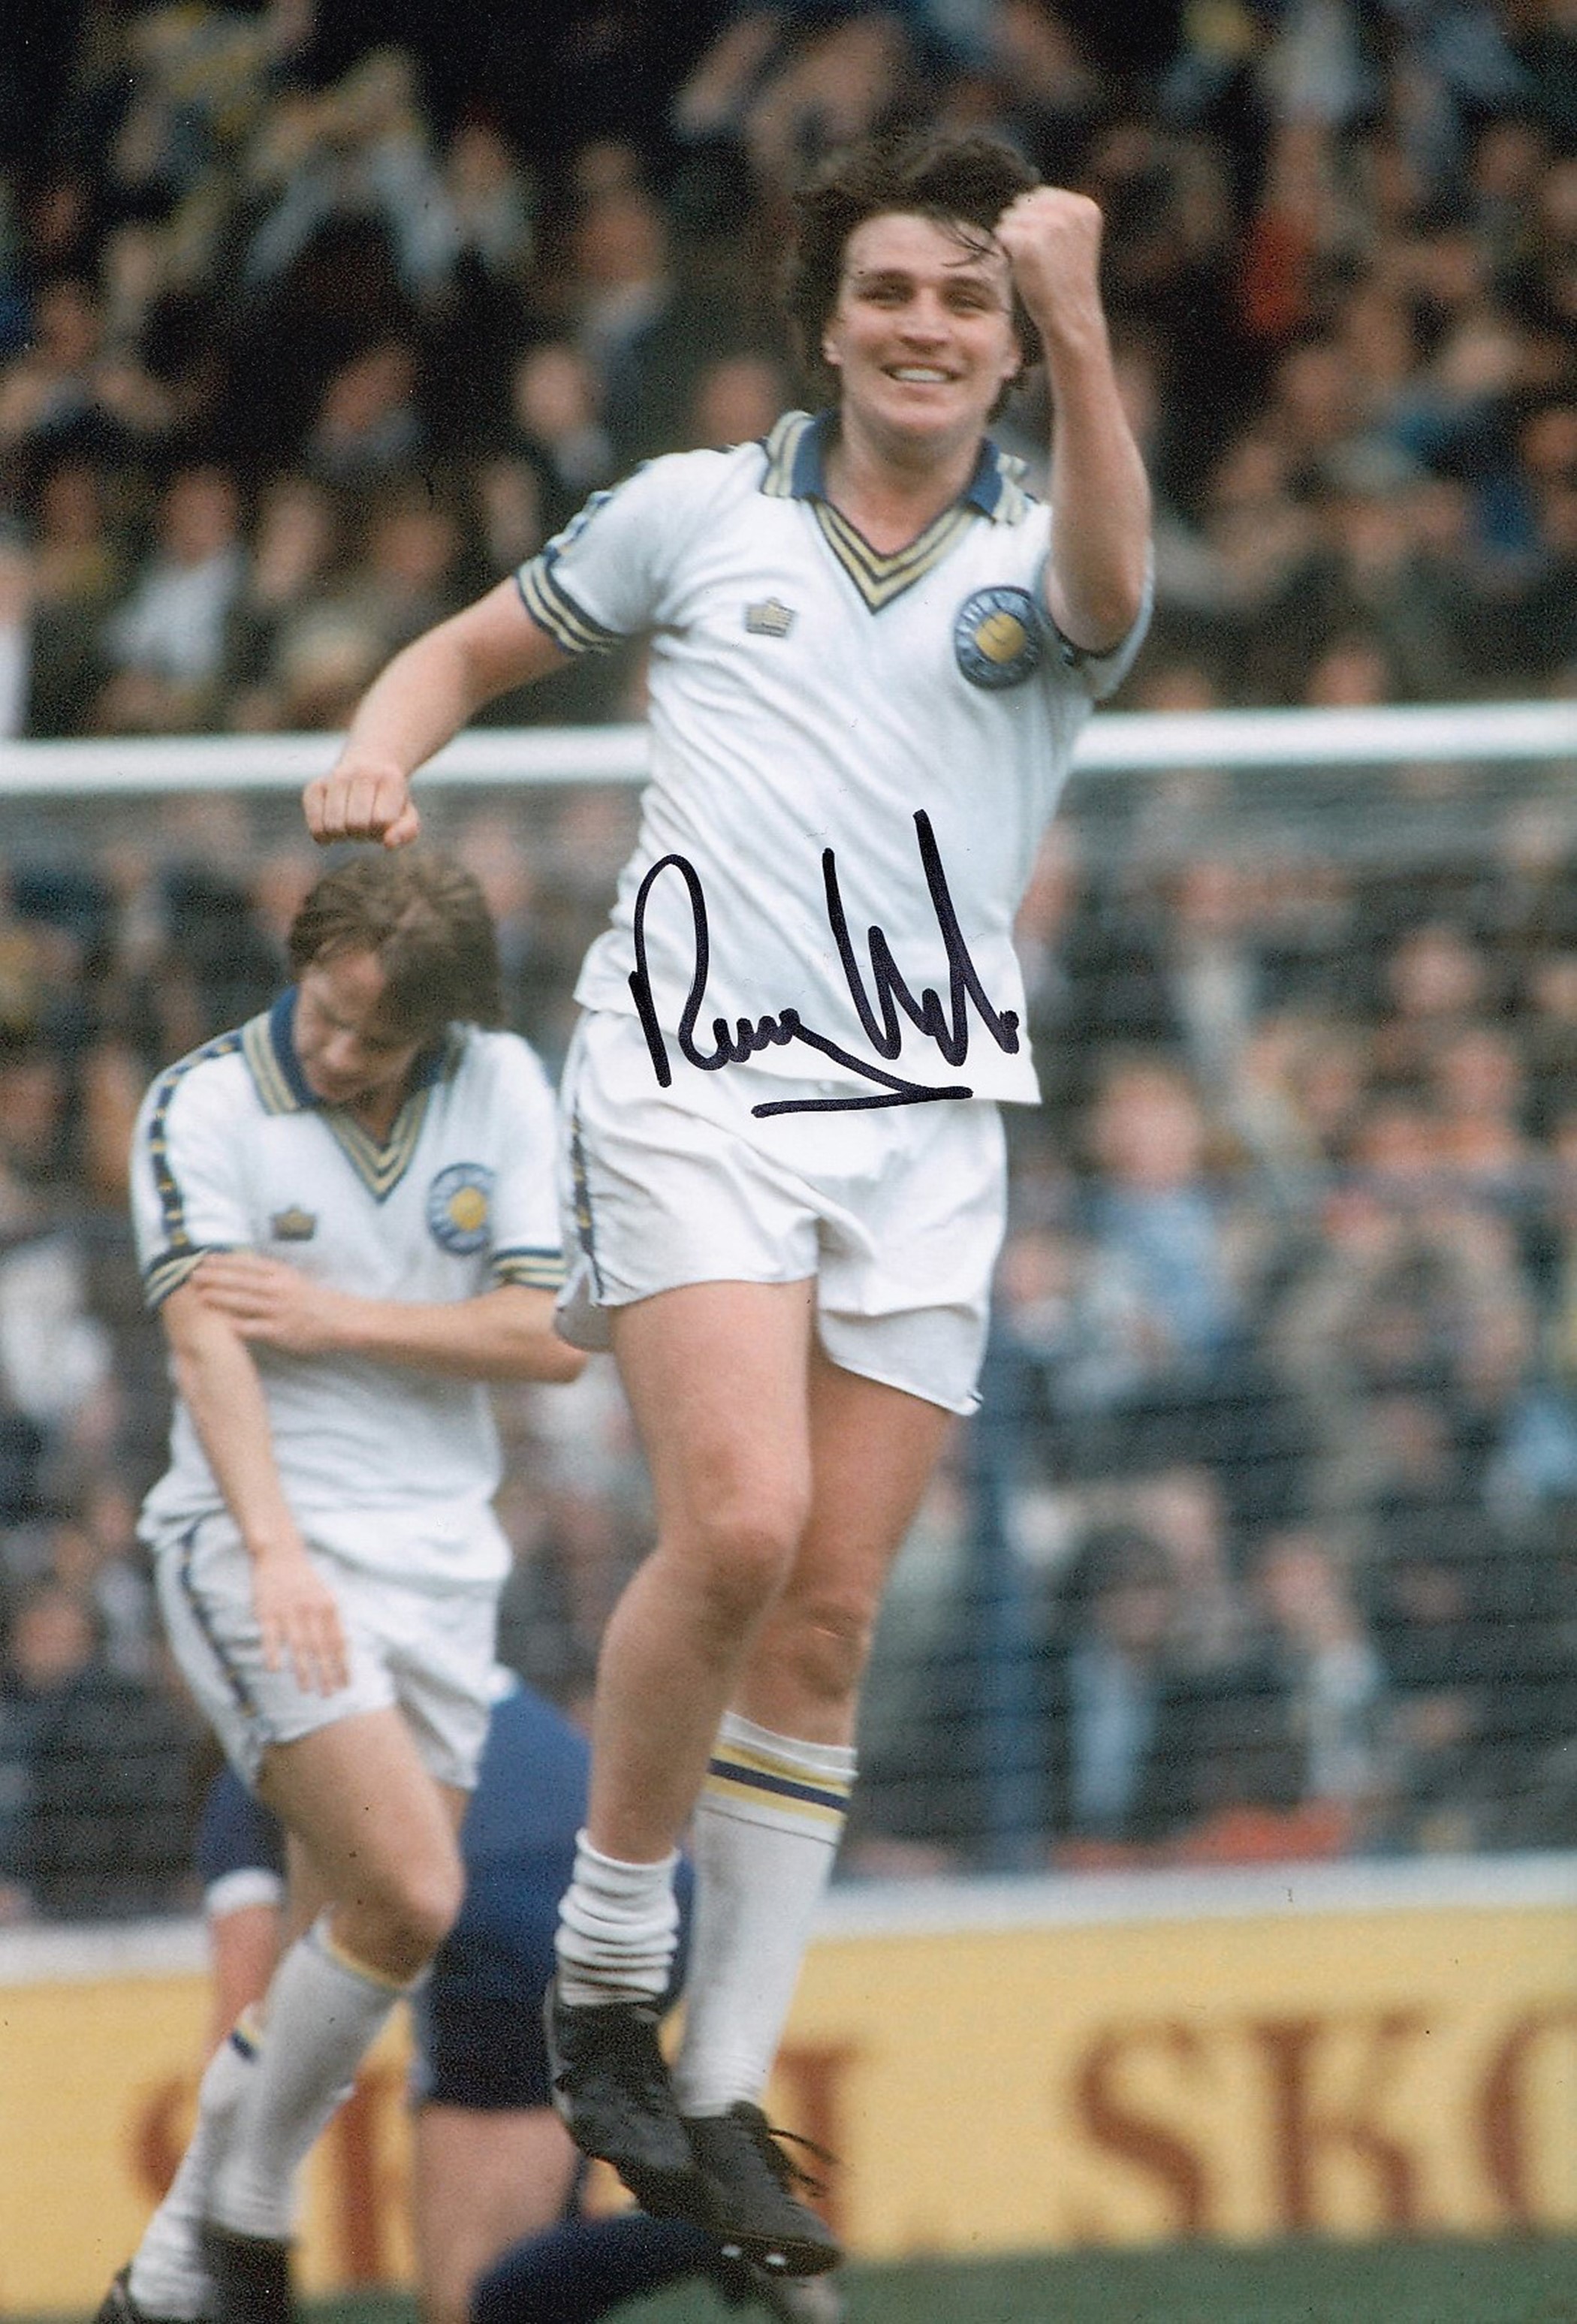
368 429
508 514
1401 1294
1119 1735
1435 983
1063 1359
1530 1797
1154 1217
1332 1677
1433 1621
294 549
53 1352
410 570
1478 1088
1184 1508
1548 1027
556 406
1169 1250
88 1543
735 399
69 393
619 290
782 90
535 969
76 572
362 149
166 641
1207 961
82 558
97 1767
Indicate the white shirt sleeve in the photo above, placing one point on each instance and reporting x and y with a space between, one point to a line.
527 1246
611 572
187 1178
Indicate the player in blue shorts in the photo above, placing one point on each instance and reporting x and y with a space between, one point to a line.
870 652
499 2238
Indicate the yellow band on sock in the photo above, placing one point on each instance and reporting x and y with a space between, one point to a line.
767 1787
380 1978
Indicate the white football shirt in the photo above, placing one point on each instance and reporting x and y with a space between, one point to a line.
388 1466
853 756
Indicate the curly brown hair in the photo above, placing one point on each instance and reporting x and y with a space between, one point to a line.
962 181
426 921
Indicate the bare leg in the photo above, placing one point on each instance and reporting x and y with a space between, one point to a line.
480 2182
378 1836
875 1450
735 1410
717 1376
769 1817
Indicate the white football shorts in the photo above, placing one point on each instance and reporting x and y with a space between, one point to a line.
896 1211
429 1653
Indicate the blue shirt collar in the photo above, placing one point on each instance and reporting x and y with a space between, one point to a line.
808 478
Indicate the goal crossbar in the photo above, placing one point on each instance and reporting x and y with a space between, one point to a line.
1120 742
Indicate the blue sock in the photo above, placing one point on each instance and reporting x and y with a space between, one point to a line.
582 2268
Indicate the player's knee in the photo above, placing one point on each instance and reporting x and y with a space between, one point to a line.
432 1906
822 1646
399 1925
742 1549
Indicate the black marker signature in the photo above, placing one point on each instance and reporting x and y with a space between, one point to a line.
879 1008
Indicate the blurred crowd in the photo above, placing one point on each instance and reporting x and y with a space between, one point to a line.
301 342
1265 1542
1268 1528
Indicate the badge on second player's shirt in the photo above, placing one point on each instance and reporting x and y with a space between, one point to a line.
459 1206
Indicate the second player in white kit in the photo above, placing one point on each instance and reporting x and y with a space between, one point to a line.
346 1223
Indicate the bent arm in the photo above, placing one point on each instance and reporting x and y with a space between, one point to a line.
503 1333
1099 493
1100 504
297 1615
506 1334
218 1382
415 704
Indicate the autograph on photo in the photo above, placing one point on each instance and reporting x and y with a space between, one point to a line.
880 1004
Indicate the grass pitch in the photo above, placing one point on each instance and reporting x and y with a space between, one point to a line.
1513 2282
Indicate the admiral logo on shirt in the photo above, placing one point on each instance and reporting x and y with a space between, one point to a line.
770 618
459 1207
294 1225
999 638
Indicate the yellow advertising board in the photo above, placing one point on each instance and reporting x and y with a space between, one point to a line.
1355 2070
99 2067
1006 2067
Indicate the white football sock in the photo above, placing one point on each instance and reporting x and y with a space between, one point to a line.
766 1832
618 1928
324 2010
169 2274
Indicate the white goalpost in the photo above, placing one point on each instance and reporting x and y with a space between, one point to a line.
1114 743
